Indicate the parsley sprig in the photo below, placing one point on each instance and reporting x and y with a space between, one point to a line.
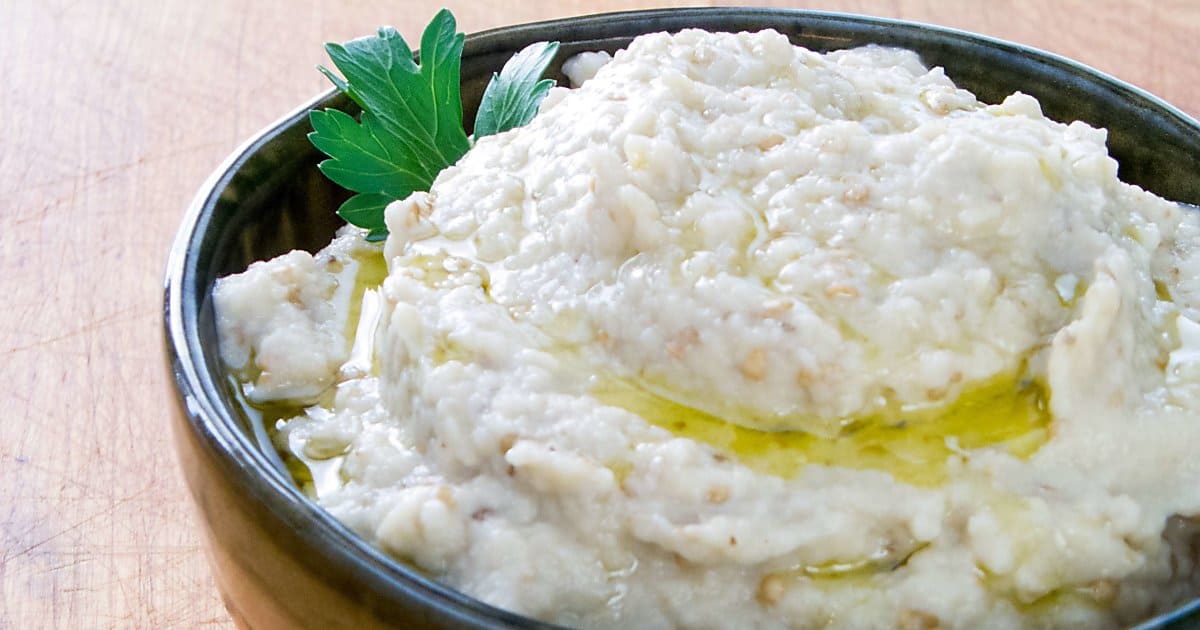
412 122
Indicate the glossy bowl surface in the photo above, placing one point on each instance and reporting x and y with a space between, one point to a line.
280 561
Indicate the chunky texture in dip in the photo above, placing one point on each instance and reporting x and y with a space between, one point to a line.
736 333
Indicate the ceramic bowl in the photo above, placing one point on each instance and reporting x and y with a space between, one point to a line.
280 561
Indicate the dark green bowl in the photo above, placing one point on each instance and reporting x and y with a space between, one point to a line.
280 560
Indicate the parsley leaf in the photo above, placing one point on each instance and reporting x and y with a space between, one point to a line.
512 97
411 126
366 211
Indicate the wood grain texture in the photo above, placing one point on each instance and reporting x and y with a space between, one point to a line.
113 115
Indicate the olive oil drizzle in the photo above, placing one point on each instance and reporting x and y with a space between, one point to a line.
1010 412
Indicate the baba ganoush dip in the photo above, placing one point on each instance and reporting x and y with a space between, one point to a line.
739 334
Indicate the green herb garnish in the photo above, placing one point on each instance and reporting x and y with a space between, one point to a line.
411 125
512 97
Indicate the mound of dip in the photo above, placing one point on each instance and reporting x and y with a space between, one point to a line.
735 333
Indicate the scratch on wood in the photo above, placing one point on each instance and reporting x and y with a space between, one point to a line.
92 326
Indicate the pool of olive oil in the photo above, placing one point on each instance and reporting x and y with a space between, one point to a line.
319 476
1008 412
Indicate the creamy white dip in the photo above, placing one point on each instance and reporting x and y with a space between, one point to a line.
723 250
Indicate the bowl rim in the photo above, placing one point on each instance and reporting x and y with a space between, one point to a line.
260 478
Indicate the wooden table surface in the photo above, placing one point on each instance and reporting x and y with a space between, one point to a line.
114 113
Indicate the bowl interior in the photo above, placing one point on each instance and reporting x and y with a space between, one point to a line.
272 198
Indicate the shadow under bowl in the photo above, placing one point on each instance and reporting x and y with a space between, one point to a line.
280 560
